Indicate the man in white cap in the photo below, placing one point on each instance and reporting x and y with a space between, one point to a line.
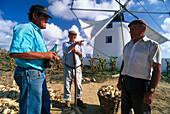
69 48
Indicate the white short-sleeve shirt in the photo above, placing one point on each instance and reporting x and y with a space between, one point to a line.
139 57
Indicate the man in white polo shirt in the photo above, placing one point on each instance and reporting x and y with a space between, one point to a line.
140 70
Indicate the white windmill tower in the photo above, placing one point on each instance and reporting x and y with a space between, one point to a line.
111 35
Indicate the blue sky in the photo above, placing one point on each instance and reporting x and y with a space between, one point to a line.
13 12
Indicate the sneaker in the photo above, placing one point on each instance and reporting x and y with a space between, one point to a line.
81 104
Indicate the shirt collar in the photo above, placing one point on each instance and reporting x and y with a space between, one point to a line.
70 42
35 27
145 39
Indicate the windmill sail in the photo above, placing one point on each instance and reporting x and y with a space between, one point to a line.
152 34
92 27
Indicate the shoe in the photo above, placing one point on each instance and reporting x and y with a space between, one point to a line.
81 104
67 104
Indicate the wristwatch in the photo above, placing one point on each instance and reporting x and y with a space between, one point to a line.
152 90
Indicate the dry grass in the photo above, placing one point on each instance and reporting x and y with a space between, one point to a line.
161 103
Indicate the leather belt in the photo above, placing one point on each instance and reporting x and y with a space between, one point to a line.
71 67
30 68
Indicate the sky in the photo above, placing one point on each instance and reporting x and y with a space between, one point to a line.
14 12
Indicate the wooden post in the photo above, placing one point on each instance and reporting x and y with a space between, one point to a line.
75 80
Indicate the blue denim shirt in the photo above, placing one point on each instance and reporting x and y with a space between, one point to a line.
68 57
28 37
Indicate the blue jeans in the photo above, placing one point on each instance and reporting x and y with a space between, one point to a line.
34 96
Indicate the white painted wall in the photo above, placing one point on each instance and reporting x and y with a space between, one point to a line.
116 47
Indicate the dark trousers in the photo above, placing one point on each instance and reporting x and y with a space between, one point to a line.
133 94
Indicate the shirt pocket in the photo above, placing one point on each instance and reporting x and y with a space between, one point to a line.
141 58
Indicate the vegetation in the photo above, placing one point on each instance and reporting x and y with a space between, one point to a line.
55 74
97 69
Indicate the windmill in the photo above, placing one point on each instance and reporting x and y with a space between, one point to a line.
111 35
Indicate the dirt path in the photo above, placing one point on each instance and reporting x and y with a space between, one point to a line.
89 96
160 105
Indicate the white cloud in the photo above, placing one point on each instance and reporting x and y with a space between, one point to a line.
6 33
166 25
165 49
52 35
166 46
5 40
6 26
141 3
61 8
160 16
53 32
153 1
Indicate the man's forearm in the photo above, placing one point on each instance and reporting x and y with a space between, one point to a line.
72 46
156 75
79 53
29 55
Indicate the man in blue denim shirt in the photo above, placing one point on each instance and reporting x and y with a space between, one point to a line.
69 48
30 53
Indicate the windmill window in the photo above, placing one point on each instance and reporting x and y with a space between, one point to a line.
109 25
108 39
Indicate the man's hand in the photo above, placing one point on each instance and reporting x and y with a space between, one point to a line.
148 97
80 42
56 58
76 51
49 55
119 85
52 55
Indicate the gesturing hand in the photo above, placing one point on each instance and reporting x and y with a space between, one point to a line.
80 42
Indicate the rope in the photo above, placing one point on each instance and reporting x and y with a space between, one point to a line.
151 17
99 51
165 5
